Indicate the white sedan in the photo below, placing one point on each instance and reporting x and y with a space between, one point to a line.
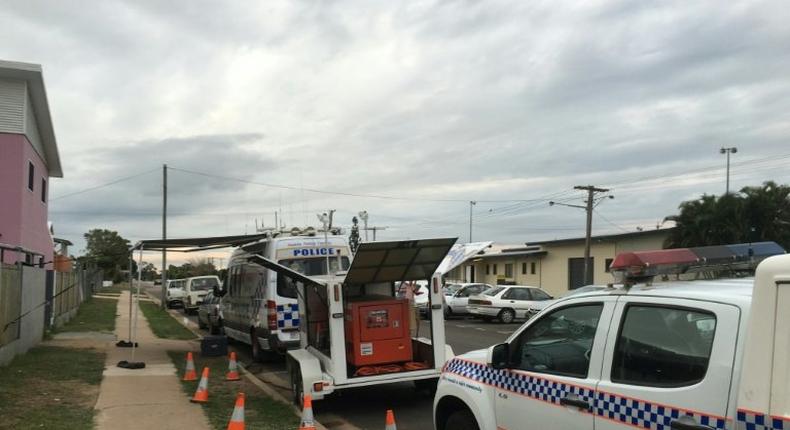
456 302
506 302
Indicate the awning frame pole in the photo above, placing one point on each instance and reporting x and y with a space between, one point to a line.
137 300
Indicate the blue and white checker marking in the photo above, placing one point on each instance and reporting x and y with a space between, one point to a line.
288 315
748 420
632 412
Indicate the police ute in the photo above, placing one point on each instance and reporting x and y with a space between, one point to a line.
689 339
260 307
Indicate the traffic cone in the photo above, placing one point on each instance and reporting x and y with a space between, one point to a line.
190 374
233 372
201 395
390 423
308 423
237 419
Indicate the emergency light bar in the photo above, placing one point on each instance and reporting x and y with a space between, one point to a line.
629 267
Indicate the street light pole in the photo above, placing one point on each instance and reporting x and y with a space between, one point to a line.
471 205
728 151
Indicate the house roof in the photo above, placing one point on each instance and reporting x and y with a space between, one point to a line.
32 74
604 238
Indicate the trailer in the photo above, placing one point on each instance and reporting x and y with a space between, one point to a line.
355 332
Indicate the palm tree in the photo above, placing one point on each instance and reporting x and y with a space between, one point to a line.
753 214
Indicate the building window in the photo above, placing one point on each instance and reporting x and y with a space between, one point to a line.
608 264
494 268
508 270
523 268
532 267
43 190
31 175
488 269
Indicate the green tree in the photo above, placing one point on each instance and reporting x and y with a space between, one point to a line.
751 215
109 251
149 272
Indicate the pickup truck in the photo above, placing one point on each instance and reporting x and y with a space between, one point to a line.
681 354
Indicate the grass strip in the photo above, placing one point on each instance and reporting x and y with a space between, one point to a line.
260 411
96 314
163 324
51 387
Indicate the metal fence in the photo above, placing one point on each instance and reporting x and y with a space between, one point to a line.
10 302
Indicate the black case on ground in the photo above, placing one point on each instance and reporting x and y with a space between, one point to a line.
214 346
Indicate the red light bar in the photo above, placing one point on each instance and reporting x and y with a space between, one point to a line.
653 258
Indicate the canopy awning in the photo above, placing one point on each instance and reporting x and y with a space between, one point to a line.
403 260
193 244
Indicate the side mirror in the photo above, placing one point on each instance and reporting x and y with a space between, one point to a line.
497 356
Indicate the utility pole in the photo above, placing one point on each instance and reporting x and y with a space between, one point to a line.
728 151
374 229
471 205
163 296
591 203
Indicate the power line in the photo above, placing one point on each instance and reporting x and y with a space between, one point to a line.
103 185
342 193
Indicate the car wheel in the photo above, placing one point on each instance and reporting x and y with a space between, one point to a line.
448 312
506 316
461 420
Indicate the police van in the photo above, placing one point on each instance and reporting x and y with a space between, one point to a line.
259 307
676 354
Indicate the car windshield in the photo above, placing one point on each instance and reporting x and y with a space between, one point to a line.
202 284
451 288
494 291
314 266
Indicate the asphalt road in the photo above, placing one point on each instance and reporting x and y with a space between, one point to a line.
365 408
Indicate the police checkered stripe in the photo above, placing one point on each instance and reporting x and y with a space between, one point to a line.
288 315
537 388
633 412
748 420
643 414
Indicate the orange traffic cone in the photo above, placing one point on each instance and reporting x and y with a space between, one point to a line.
189 374
233 372
237 419
308 423
201 395
390 423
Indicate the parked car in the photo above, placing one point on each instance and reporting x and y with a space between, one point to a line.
196 289
210 313
175 293
506 302
536 307
420 296
450 289
456 303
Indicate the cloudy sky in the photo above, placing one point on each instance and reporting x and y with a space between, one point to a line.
405 109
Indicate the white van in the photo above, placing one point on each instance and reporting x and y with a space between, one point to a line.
260 308
195 288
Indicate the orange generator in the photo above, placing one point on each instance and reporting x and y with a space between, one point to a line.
377 330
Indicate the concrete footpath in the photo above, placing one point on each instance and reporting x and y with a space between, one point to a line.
149 398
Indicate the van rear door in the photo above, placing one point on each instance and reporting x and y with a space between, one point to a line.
668 364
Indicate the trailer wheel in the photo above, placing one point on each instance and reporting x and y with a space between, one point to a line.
427 385
461 420
296 385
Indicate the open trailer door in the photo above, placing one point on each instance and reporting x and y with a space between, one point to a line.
377 322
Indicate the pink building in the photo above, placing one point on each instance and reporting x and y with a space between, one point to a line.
28 159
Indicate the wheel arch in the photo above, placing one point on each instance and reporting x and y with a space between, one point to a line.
446 406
